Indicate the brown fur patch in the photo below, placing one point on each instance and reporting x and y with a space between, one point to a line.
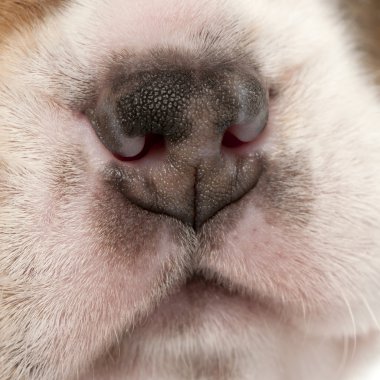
16 14
366 16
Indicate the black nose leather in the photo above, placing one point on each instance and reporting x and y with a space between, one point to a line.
186 171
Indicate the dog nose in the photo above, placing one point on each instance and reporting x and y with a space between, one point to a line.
179 138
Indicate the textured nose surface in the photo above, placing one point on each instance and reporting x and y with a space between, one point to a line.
189 174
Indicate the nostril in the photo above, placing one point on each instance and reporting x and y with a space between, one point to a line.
139 147
131 146
249 130
241 134
231 141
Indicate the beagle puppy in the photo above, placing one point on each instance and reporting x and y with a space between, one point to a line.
189 190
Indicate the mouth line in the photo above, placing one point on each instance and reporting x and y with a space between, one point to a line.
200 284
190 305
184 310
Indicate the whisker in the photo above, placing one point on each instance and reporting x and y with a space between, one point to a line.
354 328
371 312
344 359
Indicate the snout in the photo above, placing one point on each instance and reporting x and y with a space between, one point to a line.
178 138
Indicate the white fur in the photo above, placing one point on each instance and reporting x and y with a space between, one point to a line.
66 297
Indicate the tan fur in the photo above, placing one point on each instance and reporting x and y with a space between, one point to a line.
365 15
18 15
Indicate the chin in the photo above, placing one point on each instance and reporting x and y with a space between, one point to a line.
189 190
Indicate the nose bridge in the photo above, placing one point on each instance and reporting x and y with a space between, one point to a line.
190 109
174 102
201 143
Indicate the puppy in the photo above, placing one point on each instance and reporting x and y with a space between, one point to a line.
189 190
